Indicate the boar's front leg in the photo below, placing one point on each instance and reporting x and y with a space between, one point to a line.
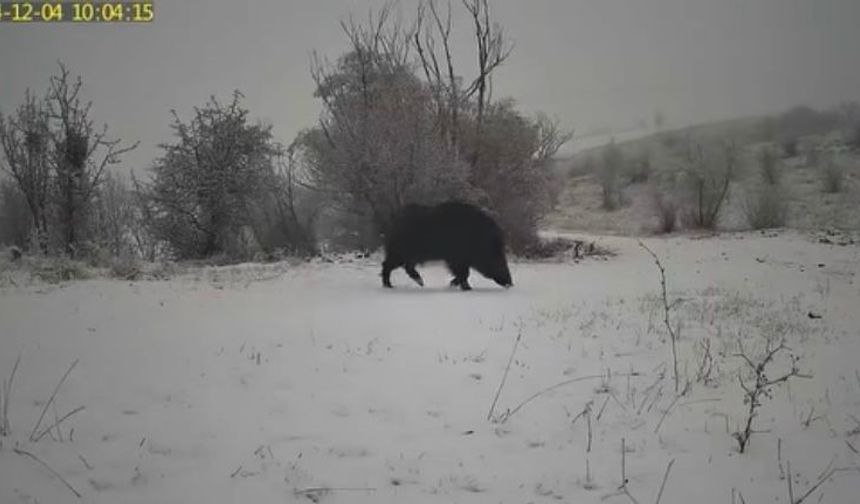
413 274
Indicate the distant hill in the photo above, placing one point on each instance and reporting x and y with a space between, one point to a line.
808 145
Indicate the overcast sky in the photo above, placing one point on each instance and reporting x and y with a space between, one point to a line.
591 63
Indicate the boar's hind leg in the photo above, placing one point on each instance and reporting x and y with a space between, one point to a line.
413 274
387 267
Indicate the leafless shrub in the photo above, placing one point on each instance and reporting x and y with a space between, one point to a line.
586 165
639 169
833 175
60 269
813 157
803 120
707 176
125 267
769 166
854 137
669 140
565 248
610 169
762 386
766 206
790 147
113 216
666 208
15 254
286 216
543 249
508 176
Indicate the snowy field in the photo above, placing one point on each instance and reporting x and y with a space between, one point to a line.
313 384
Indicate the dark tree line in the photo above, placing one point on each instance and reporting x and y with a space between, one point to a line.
400 124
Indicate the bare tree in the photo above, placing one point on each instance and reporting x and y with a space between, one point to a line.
377 146
492 49
24 138
15 222
550 137
389 135
80 154
114 215
286 216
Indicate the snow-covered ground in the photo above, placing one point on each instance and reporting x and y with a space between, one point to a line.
316 385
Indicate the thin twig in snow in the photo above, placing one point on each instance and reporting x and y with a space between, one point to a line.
669 409
51 400
86 463
5 396
665 478
504 376
623 462
602 408
46 466
313 490
588 419
666 308
58 422
546 390
779 458
825 476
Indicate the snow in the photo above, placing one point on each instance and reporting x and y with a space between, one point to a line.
311 383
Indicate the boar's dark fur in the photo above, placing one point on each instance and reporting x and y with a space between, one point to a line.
457 233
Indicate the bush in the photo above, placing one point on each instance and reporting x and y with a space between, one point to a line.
790 147
640 169
613 162
707 176
769 166
203 187
15 221
832 176
506 177
565 249
125 268
543 249
61 269
666 209
813 157
854 137
669 140
766 207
